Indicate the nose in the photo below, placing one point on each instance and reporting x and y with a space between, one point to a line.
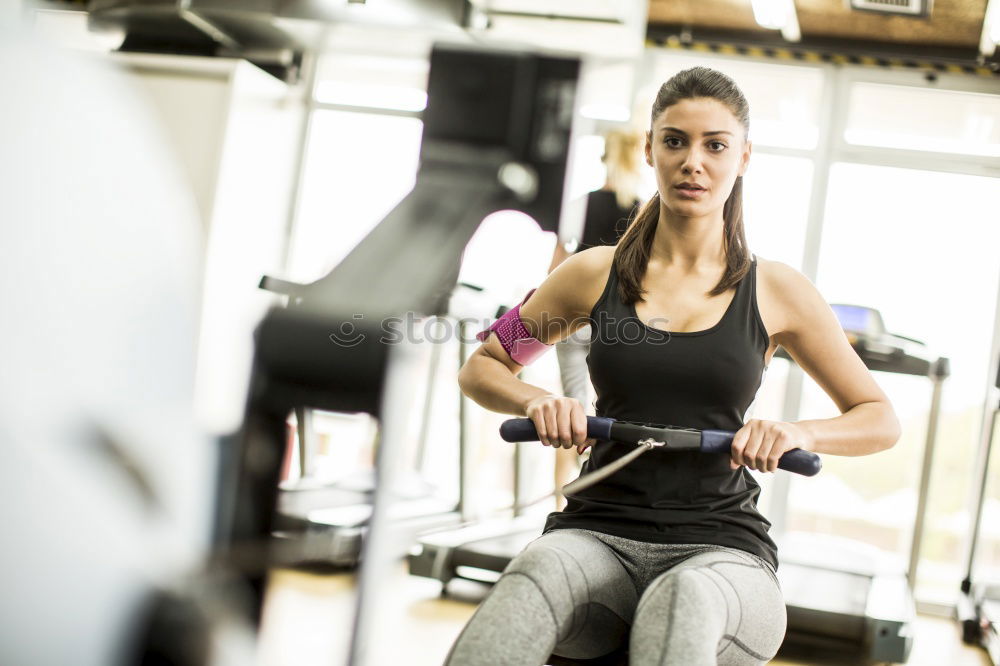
692 160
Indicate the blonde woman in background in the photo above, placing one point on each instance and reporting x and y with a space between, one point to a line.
608 211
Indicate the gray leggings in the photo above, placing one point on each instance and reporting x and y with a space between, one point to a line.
583 594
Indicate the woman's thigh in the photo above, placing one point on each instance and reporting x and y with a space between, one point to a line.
591 594
720 606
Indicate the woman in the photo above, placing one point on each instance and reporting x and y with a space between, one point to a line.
608 210
669 555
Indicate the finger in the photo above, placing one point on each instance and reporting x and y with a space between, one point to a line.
564 411
781 445
537 417
542 426
551 426
749 454
587 444
739 444
579 425
767 444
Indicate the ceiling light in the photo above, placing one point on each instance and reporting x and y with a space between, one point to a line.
777 15
769 14
991 29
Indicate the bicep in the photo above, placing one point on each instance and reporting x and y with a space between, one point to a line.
814 338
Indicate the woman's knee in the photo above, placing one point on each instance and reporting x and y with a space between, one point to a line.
673 591
580 579
736 611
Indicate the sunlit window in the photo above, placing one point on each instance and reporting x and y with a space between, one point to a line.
776 206
946 121
784 99
358 167
372 81
912 244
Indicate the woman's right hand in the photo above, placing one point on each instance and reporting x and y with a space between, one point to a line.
560 422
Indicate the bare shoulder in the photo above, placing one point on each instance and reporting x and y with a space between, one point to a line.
569 293
789 298
593 262
580 279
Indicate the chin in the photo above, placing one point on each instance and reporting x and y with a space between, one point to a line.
690 209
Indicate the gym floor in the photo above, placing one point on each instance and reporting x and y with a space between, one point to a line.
307 619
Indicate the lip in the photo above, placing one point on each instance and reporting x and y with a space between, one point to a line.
689 193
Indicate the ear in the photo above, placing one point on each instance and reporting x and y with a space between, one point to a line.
649 148
745 158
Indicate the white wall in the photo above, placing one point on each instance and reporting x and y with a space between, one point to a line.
235 130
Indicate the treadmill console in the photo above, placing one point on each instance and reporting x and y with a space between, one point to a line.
881 350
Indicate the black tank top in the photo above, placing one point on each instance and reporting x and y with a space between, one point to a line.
702 379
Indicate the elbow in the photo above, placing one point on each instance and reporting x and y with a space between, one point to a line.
467 379
893 428
464 379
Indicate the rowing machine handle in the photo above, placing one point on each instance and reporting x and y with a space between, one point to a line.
798 461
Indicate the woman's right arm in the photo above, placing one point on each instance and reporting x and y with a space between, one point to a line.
557 308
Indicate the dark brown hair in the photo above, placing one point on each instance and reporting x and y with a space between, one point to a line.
632 252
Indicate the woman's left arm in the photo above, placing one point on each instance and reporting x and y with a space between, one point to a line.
812 335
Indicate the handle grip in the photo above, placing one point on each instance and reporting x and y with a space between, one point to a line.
798 461
523 430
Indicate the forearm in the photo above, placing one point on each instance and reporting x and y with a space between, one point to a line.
490 384
866 428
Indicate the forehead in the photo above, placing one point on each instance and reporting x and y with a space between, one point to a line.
696 115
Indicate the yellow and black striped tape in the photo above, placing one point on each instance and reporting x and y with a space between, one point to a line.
792 52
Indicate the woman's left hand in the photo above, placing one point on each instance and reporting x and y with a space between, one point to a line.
760 444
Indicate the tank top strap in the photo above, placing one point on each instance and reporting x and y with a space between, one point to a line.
609 302
745 310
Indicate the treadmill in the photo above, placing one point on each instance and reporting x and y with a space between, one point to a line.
839 594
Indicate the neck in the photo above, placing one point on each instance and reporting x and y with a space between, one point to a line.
694 245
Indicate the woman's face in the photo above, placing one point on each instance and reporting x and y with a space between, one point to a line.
697 149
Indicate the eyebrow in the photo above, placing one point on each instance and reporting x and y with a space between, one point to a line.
683 133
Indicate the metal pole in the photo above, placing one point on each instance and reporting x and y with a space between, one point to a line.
977 519
310 63
518 481
463 429
382 544
304 426
427 416
938 377
833 110
987 428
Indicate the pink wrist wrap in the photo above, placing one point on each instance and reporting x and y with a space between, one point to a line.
514 337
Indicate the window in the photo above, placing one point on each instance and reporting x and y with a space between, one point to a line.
892 116
776 193
372 81
784 99
358 167
913 245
